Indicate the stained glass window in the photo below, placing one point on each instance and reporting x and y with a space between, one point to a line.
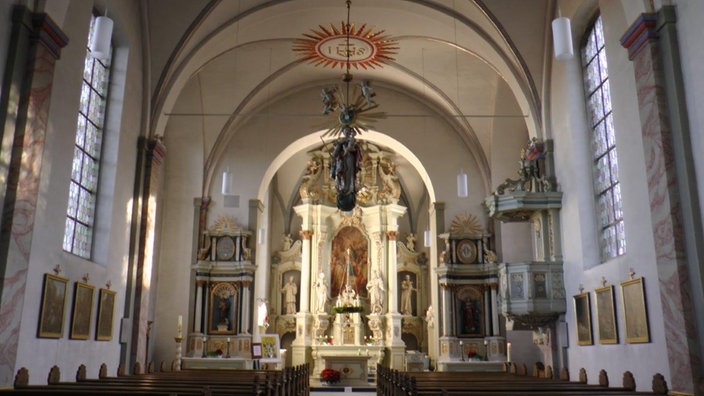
80 214
612 236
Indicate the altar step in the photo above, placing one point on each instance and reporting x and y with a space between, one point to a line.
343 390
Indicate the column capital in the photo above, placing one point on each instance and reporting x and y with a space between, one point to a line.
305 234
641 32
391 235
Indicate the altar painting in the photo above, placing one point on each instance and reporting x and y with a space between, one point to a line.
353 239
469 305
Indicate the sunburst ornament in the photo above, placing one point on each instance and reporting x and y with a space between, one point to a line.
465 223
345 46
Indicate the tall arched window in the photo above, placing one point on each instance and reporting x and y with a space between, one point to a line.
80 215
607 189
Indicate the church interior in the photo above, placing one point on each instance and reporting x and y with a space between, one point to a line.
416 185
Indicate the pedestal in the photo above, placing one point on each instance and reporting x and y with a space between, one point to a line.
496 349
394 343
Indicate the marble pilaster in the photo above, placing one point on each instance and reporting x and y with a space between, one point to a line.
644 50
35 45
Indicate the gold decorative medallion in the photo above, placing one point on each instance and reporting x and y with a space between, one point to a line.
340 46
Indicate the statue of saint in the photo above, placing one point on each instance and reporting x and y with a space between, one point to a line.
411 242
406 290
430 317
376 289
289 291
321 289
346 161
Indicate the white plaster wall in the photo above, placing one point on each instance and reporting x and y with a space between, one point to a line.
114 205
581 258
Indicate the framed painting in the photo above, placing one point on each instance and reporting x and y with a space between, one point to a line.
82 311
256 350
634 311
270 348
606 315
106 308
51 314
583 319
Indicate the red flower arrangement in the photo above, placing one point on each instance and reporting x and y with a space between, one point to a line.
330 375
218 352
471 354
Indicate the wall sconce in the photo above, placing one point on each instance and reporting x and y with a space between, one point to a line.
261 234
227 182
462 186
427 238
100 42
562 37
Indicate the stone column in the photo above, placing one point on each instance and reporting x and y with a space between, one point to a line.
198 315
301 345
305 270
494 311
665 161
34 46
447 330
487 309
246 308
392 276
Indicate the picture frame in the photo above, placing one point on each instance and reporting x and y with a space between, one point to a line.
634 311
106 309
51 313
606 315
583 319
82 311
270 345
256 350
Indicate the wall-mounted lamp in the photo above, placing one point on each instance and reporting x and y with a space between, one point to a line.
427 238
261 234
562 37
462 186
102 35
227 182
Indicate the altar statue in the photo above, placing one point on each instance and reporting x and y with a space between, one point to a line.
286 242
430 317
321 288
345 163
411 242
376 289
406 290
289 291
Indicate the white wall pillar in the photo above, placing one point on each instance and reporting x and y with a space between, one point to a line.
447 329
246 306
393 278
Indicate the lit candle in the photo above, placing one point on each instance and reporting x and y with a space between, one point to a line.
179 326
228 339
508 352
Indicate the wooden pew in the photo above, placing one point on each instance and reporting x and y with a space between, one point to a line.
291 381
395 383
